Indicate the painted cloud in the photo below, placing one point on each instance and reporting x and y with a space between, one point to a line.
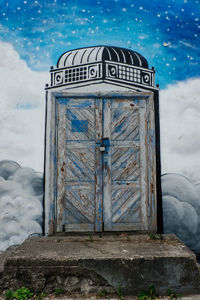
21 196
181 209
180 130
22 111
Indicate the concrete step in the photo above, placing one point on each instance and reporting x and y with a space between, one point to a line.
91 264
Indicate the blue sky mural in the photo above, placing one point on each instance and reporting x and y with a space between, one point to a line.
165 32
34 33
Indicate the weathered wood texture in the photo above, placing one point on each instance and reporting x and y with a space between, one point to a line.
122 165
124 197
111 113
77 164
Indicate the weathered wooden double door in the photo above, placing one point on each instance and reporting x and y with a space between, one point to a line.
102 170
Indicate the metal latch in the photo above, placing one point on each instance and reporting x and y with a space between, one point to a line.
102 148
105 143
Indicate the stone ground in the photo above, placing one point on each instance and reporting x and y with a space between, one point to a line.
192 297
124 249
51 297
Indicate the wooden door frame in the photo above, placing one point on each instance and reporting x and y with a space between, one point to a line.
50 151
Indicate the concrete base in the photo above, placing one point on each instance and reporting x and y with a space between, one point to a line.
89 264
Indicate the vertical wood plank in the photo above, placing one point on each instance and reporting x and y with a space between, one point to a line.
61 164
143 164
107 194
152 167
50 148
98 166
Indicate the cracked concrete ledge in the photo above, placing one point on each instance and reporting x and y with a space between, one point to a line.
87 265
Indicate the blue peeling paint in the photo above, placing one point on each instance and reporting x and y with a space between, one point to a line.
70 115
78 104
63 100
83 104
119 128
79 125
98 143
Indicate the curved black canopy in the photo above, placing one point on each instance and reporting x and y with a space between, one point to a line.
101 53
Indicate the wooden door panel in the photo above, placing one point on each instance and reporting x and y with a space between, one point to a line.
79 201
123 170
84 199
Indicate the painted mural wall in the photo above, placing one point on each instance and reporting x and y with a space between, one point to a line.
34 33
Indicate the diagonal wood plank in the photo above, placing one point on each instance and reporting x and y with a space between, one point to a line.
80 164
75 216
76 199
125 163
125 125
129 199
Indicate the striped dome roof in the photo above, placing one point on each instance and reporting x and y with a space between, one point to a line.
101 53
